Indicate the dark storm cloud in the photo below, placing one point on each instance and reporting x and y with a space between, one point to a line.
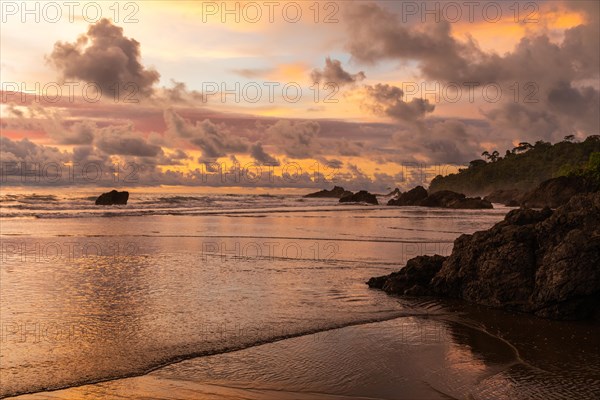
296 139
564 101
27 151
388 101
105 57
334 73
376 34
127 144
214 140
259 154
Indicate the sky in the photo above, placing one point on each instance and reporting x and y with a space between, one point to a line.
286 94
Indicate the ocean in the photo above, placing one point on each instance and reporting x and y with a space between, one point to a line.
223 288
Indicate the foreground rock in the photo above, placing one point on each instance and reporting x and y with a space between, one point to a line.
557 191
361 197
112 198
337 192
444 199
541 262
413 279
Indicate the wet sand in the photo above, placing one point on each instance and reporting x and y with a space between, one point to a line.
448 355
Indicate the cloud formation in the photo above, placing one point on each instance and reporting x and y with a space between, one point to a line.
559 98
334 73
296 139
214 140
259 154
106 57
387 100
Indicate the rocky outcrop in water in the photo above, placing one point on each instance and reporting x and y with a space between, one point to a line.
450 199
411 198
542 262
337 192
444 199
413 279
112 198
361 197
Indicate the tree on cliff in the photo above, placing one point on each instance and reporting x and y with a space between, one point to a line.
522 170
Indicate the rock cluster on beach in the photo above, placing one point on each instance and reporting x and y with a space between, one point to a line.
112 198
417 196
337 192
542 262
360 197
444 199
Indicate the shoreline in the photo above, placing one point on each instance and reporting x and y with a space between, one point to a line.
155 383
179 359
450 354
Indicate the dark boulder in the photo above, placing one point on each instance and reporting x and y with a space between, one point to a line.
361 197
450 199
541 262
411 198
112 198
526 216
337 192
418 196
413 278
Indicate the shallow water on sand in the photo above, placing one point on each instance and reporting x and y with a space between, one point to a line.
93 298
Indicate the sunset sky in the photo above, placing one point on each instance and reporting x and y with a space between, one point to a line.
386 75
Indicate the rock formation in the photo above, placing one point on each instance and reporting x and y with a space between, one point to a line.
411 198
444 199
361 197
111 198
542 262
337 192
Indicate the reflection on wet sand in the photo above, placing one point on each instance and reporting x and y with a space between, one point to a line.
459 351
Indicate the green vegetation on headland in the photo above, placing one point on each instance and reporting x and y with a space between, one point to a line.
525 167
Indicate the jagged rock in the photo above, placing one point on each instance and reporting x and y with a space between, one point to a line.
411 198
542 262
450 199
418 196
361 197
337 192
111 198
414 278
526 216
557 191
508 197
395 192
